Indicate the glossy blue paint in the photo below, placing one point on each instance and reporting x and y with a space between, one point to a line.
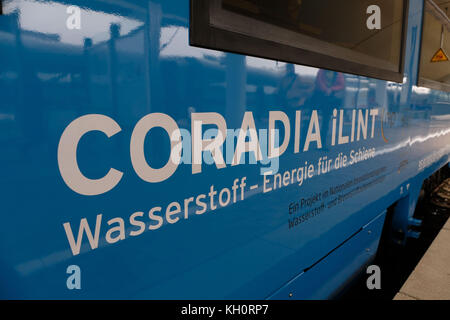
132 58
339 268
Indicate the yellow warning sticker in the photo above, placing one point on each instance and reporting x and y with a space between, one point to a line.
439 56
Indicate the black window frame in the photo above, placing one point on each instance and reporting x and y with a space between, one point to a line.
203 33
421 81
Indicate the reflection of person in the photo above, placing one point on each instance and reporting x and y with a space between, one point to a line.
294 91
372 99
330 86
328 95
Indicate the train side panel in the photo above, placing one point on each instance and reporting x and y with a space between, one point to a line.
83 183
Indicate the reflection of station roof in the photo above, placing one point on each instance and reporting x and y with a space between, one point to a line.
48 17
129 9
54 43
39 42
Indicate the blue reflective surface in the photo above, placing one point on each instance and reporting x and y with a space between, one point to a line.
132 58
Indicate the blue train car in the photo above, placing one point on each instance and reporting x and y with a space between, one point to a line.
210 149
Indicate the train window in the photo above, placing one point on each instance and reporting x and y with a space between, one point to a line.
327 34
434 69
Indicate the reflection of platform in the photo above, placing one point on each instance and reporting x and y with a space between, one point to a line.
441 118
430 280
